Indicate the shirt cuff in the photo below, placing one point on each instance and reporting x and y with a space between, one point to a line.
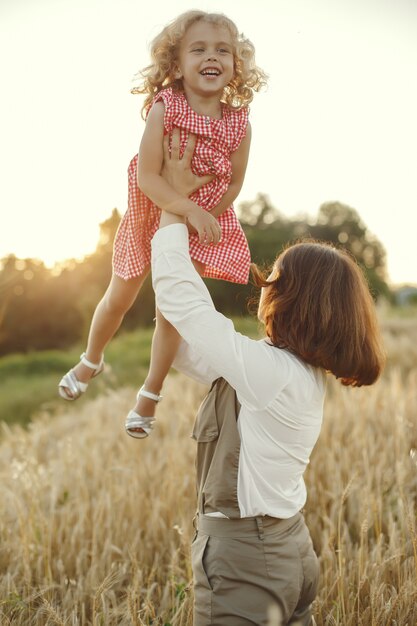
172 237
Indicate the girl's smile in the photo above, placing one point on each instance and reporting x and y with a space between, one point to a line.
205 60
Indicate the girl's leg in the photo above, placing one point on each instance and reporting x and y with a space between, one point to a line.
165 344
107 318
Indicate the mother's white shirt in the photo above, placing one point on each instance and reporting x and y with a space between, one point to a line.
281 396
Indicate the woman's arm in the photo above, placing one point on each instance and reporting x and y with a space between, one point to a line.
150 181
193 364
254 369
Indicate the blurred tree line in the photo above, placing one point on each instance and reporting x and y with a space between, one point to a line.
43 309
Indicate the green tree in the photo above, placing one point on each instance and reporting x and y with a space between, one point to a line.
268 232
36 312
341 224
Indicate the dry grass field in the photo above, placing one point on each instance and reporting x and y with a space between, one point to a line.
95 527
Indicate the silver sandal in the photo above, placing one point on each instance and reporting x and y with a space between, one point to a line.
134 420
71 382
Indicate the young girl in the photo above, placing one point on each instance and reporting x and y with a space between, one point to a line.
201 79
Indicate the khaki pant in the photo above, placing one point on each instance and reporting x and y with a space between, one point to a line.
244 568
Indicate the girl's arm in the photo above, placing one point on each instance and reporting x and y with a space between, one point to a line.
239 160
152 184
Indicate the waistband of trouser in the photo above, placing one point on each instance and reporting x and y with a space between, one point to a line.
244 526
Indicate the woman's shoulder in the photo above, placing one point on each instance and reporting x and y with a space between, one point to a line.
298 371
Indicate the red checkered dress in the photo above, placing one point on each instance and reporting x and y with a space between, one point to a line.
217 139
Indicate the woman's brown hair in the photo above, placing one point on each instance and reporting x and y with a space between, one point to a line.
317 304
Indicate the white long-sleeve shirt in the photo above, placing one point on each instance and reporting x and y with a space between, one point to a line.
281 397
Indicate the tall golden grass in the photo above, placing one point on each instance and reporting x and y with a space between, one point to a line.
95 527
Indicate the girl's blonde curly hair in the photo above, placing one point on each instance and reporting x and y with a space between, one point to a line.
160 74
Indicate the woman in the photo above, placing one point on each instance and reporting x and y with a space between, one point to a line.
261 419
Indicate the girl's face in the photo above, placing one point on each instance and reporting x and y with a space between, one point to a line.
205 61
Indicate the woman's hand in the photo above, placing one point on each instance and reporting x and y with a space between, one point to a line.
178 174
177 171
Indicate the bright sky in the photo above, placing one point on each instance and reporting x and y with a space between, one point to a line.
338 121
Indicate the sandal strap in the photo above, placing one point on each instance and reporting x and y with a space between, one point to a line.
134 420
71 382
93 366
147 394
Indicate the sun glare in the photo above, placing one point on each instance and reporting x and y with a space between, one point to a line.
56 246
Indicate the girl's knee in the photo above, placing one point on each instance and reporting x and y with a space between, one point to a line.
117 306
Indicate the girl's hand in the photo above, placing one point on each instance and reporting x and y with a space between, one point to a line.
191 229
176 171
207 227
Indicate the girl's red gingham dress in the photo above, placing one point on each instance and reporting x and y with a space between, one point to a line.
216 140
